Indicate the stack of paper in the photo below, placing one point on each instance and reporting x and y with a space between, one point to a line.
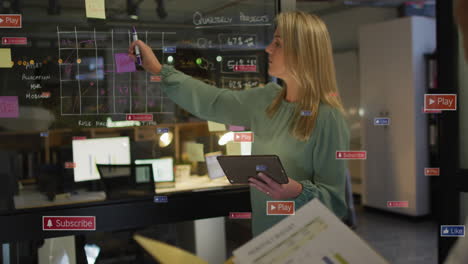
312 235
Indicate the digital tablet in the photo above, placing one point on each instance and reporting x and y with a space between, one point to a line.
239 169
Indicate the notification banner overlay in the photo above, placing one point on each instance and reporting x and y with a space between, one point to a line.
10 21
240 215
170 49
431 171
70 165
426 111
162 130
441 102
351 155
280 207
381 121
243 137
68 223
245 68
14 41
452 230
403 204
155 78
160 199
142 117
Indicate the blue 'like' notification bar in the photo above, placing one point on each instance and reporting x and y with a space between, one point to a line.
452 230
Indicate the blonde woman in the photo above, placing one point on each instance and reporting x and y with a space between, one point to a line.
301 122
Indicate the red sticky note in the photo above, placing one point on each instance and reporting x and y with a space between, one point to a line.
9 107
124 63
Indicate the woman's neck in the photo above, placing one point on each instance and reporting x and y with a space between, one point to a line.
292 91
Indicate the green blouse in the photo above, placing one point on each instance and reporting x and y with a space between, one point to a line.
312 163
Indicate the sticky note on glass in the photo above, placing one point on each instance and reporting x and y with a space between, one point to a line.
236 128
95 9
124 63
9 107
233 148
213 126
195 151
5 58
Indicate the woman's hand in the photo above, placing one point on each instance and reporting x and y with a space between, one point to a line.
277 191
149 61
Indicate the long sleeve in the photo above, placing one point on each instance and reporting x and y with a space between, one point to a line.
328 184
209 102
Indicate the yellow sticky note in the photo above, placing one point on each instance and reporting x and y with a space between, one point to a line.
165 253
195 151
5 58
213 126
233 148
95 9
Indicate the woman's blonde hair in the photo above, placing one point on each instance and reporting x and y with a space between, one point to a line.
309 59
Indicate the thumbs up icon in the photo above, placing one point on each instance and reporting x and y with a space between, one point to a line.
446 231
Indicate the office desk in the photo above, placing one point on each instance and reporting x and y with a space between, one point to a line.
203 200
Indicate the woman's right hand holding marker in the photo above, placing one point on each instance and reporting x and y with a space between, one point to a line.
149 61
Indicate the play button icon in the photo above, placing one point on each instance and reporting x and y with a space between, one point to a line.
440 102
280 207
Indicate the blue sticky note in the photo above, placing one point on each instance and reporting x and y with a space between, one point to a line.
124 63
452 230
170 49
261 167
160 199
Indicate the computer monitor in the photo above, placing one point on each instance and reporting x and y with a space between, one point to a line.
127 181
88 152
163 169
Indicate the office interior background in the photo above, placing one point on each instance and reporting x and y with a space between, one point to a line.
76 108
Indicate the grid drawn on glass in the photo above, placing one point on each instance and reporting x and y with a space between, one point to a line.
91 97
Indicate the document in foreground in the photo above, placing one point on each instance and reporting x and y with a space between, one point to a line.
312 235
